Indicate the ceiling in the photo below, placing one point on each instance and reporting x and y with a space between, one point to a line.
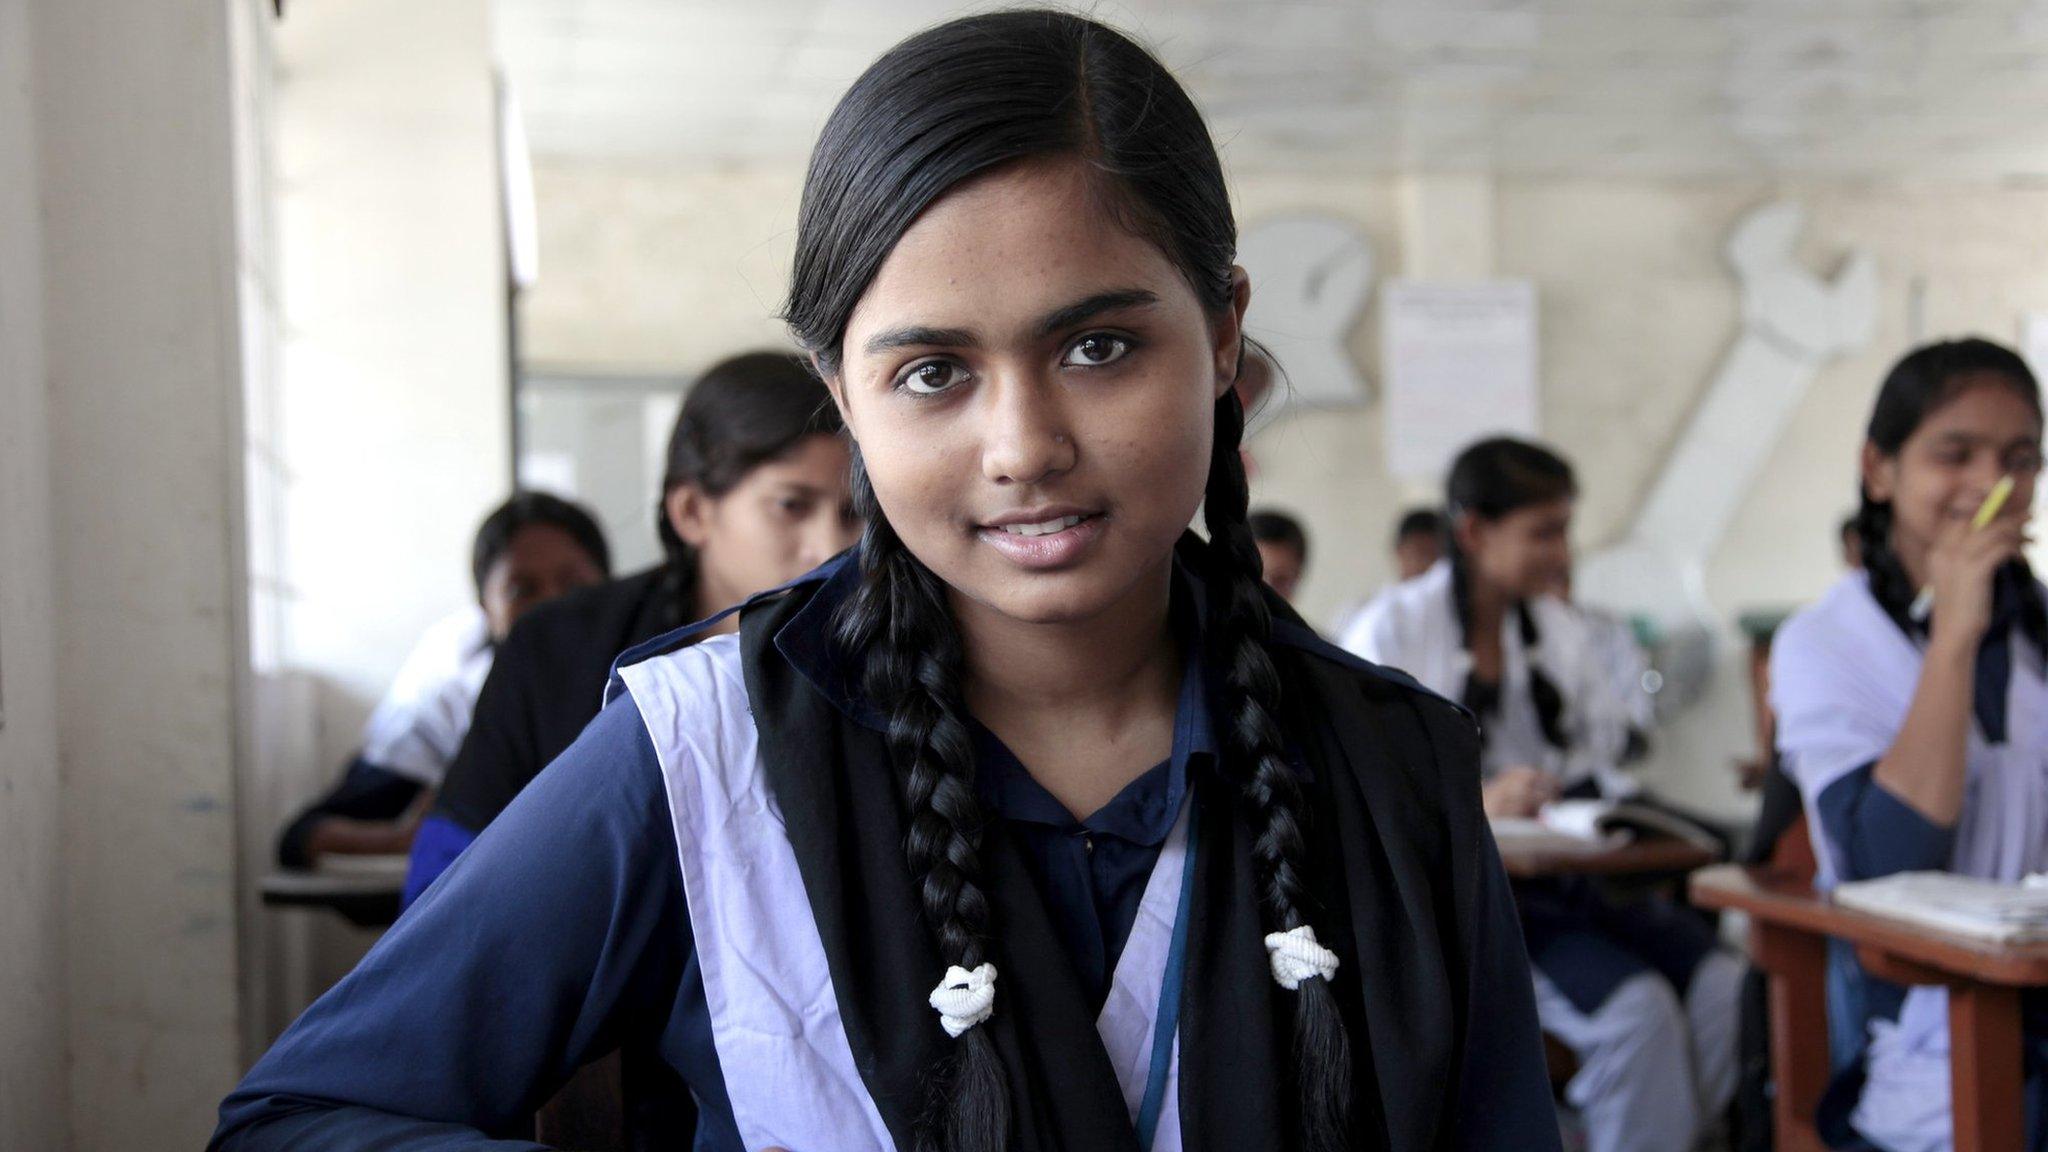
1919 89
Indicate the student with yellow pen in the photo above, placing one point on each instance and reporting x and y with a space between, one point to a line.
1913 712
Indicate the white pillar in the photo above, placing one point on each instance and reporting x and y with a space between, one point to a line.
134 109
33 1094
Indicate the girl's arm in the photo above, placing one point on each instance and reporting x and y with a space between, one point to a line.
561 927
1925 765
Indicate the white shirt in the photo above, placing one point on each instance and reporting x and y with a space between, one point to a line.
418 726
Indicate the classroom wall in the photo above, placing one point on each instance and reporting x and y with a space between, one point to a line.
140 437
652 269
392 414
33 1096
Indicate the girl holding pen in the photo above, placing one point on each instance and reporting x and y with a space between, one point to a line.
1919 739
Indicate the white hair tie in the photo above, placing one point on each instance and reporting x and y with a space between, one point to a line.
1296 956
965 998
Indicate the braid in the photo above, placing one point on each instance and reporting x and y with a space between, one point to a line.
899 621
1889 584
1270 791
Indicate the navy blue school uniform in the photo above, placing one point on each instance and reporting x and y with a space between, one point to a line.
583 916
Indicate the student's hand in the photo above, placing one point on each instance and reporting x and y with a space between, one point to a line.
1517 792
1960 567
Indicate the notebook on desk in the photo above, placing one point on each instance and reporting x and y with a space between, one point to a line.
1986 909
1599 825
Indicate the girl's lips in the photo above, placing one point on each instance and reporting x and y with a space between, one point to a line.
1043 553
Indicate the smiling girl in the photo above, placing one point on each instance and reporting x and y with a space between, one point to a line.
1031 823
1920 745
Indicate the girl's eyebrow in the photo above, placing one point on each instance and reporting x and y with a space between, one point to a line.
1084 310
1066 316
917 336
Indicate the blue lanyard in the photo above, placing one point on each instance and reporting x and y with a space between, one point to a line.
1166 1022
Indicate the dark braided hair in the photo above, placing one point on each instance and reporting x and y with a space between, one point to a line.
944 106
1490 479
1922 381
743 412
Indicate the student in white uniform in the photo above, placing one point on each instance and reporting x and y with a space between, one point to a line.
529 550
1640 993
1923 744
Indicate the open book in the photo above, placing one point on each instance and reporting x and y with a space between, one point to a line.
1986 909
1599 825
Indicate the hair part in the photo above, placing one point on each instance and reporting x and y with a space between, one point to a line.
525 510
941 108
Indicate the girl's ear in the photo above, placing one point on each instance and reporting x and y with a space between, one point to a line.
1466 530
1880 473
1229 335
832 384
689 513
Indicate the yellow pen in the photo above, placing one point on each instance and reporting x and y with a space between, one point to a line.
1994 502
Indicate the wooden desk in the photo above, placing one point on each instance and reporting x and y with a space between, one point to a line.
1533 859
365 889
1789 929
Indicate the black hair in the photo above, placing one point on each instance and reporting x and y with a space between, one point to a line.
1271 526
524 510
944 106
1419 522
1490 479
1921 382
743 412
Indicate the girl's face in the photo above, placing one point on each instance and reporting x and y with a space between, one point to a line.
1946 468
540 563
785 517
1524 553
1033 389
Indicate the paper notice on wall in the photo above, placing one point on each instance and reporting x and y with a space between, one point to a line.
1459 361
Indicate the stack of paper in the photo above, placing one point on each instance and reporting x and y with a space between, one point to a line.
1963 904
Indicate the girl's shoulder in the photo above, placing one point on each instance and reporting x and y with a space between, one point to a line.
1845 622
1376 684
692 698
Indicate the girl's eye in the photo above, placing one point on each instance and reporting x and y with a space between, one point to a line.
930 377
1096 350
2023 461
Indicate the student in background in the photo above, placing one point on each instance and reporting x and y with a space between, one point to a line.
1418 542
1283 549
530 549
1175 865
1922 744
755 495
1639 993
